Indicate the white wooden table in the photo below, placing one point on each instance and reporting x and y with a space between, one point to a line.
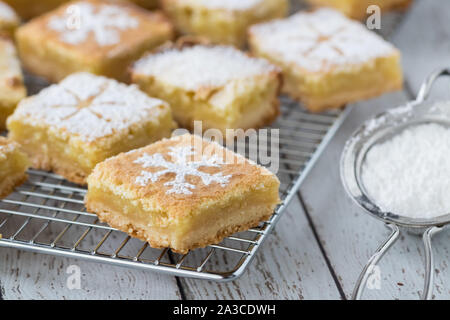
319 246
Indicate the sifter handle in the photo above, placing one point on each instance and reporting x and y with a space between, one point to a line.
426 86
381 251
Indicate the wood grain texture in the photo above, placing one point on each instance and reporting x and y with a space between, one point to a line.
350 236
27 275
289 266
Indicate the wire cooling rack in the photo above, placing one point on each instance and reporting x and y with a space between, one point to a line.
46 214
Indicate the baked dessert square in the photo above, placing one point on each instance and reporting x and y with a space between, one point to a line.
357 9
9 20
70 127
326 65
183 193
97 36
218 85
12 88
13 166
222 21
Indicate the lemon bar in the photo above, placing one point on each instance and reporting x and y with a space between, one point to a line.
357 9
222 21
97 36
218 85
71 126
13 166
9 20
326 65
12 89
182 193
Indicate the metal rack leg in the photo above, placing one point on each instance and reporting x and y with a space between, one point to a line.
374 259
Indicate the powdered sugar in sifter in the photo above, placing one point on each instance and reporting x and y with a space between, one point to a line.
378 130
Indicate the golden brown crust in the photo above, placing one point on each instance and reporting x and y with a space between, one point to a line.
122 171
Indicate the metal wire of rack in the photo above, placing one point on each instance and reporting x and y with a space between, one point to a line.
46 214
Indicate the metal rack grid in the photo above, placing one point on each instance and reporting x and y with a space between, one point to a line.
46 214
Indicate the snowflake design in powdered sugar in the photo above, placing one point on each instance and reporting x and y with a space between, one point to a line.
82 19
182 168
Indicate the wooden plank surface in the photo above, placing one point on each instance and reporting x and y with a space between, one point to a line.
27 275
350 236
288 266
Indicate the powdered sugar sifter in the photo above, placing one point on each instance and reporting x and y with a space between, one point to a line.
377 130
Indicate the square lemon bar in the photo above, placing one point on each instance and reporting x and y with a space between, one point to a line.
71 126
222 21
12 89
218 85
357 9
182 193
13 164
326 65
97 36
9 20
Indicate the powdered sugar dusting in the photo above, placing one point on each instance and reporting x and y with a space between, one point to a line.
89 106
9 147
7 13
226 4
320 40
82 19
409 175
182 167
199 66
